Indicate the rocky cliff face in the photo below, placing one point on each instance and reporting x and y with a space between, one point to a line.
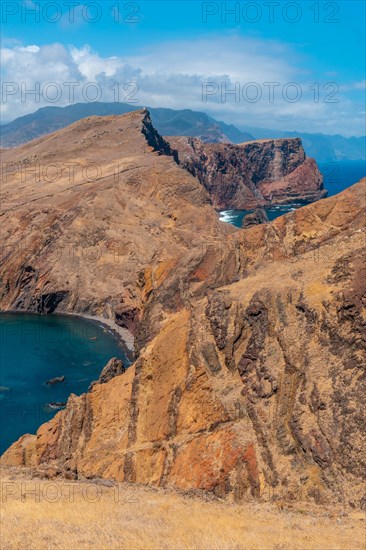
249 343
256 173
84 210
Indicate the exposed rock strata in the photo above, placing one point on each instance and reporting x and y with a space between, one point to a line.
250 344
255 173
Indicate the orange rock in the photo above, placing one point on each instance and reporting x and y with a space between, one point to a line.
249 371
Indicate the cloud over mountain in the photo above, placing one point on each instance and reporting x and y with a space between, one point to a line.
245 80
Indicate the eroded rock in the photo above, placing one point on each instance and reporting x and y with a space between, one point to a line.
249 375
255 218
252 174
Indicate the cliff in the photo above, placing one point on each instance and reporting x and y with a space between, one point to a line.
255 173
249 369
85 209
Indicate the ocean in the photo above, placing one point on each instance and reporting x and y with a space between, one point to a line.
37 348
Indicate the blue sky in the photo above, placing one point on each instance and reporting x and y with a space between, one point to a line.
312 53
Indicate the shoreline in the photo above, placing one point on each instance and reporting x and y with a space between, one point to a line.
124 337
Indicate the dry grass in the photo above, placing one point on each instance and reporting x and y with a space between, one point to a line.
126 517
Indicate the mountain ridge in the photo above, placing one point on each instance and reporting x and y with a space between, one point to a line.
184 122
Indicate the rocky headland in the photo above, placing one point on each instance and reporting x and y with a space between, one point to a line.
255 173
249 344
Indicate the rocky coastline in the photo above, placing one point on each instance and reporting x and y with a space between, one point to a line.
253 174
248 372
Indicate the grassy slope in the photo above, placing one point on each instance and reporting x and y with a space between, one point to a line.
73 515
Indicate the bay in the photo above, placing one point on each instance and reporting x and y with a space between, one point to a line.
36 348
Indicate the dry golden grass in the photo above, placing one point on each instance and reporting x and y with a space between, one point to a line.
130 517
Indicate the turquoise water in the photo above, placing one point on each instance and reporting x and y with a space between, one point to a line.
36 348
235 217
338 175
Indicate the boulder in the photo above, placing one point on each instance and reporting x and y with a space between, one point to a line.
55 380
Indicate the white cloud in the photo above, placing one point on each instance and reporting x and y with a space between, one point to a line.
171 75
359 85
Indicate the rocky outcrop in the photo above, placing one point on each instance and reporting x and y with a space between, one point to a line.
255 173
114 367
55 380
255 218
249 369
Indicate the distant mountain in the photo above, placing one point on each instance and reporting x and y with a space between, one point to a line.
49 119
167 121
322 147
186 122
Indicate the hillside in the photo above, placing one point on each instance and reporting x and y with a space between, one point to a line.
106 197
95 514
249 366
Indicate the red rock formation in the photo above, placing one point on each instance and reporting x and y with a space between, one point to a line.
255 173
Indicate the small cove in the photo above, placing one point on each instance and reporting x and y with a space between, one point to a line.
36 348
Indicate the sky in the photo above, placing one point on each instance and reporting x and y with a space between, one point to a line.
287 65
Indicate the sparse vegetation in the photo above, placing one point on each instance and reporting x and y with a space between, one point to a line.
78 515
